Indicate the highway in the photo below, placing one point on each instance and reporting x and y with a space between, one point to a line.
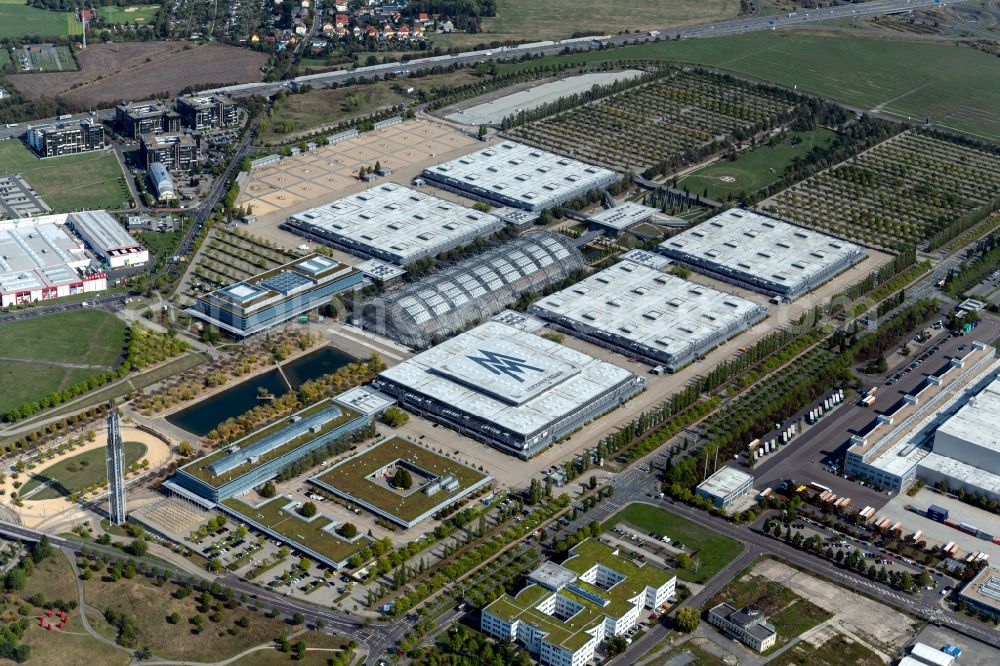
730 27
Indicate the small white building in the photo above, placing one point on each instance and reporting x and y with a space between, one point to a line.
749 625
725 486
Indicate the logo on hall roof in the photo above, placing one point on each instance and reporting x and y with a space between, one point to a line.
502 364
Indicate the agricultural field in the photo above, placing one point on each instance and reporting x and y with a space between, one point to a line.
46 354
712 551
70 182
18 19
112 72
77 472
901 192
756 168
671 117
955 86
134 14
527 20
48 59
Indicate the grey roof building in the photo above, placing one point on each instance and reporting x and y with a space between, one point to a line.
635 308
520 176
394 223
762 253
748 624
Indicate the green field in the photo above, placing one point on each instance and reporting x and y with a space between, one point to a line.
4 56
753 169
78 472
713 551
529 20
132 14
17 19
956 86
71 182
31 347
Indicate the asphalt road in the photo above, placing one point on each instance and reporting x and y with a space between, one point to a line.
731 27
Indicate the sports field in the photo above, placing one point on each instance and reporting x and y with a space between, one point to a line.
45 354
132 14
712 551
953 85
78 472
753 169
71 182
555 19
17 19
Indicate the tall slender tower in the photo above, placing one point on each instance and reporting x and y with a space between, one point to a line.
116 469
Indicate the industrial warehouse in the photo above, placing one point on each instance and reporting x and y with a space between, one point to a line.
944 431
272 298
761 253
635 308
473 290
520 176
394 223
108 239
42 260
509 388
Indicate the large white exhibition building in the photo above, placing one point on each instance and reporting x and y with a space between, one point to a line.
512 389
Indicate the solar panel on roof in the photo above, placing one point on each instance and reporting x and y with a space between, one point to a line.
285 282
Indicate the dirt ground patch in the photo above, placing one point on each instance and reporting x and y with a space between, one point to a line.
853 614
110 73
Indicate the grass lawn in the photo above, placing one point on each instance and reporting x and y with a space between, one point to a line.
71 182
712 550
298 113
322 648
755 168
350 476
91 337
790 614
4 56
56 338
836 651
162 244
149 606
79 471
17 19
53 578
530 20
955 86
133 14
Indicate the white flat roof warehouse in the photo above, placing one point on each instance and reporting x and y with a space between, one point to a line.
635 307
514 174
725 482
762 253
498 377
395 223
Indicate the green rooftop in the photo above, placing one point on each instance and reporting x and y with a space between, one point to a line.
295 529
572 634
351 477
200 468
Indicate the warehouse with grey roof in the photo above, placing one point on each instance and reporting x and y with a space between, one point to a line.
511 389
762 253
637 309
394 223
520 176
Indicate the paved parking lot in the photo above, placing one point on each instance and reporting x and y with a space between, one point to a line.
974 653
939 533
828 440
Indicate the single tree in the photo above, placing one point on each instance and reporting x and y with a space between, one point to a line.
687 620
